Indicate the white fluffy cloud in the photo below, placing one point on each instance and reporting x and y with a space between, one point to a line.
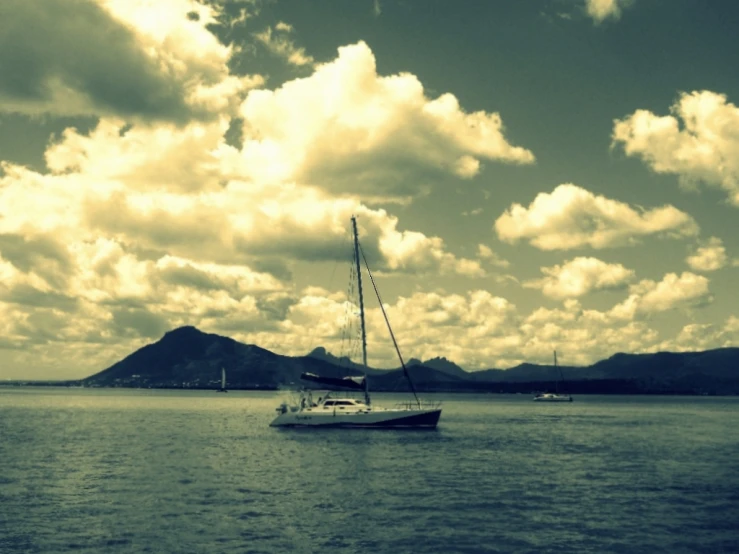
600 10
485 253
572 217
704 336
138 229
239 221
698 142
277 40
133 58
581 276
476 330
348 129
583 336
708 257
191 158
687 290
483 327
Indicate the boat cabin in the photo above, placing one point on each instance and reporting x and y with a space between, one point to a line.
342 404
322 401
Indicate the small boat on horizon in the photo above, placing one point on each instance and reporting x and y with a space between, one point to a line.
314 408
555 396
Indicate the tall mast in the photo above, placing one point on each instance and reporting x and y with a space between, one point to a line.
361 300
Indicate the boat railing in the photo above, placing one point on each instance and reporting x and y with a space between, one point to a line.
422 405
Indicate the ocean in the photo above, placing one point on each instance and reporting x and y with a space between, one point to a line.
119 471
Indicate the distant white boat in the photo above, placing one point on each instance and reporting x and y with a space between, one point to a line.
334 409
223 380
554 396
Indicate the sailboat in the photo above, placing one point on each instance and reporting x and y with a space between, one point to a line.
554 396
223 380
336 409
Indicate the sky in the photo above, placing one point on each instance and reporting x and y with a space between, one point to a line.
527 176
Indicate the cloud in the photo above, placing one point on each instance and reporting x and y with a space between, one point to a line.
305 224
648 297
704 336
600 10
41 255
476 211
698 142
277 40
582 336
176 190
203 276
130 58
137 228
189 158
572 217
581 276
475 318
349 130
138 322
235 13
476 330
708 257
484 252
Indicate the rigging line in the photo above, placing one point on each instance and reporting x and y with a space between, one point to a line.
348 331
345 318
392 335
336 262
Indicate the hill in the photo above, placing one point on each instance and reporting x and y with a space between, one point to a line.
443 365
189 358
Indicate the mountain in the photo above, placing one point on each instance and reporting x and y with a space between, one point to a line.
529 372
708 371
434 370
423 377
441 364
320 353
187 357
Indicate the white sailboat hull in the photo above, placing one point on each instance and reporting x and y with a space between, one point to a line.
373 418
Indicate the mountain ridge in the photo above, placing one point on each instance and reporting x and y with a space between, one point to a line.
187 357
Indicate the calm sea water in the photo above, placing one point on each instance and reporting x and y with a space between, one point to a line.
177 471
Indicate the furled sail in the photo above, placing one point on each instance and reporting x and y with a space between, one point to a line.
358 383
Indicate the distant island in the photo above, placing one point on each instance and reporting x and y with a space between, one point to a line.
187 358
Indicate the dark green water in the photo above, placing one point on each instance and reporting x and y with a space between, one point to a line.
173 471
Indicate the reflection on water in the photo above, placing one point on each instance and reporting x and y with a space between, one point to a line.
195 471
